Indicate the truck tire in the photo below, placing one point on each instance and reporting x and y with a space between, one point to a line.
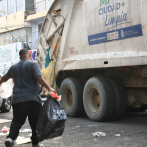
83 81
71 90
98 99
6 105
120 97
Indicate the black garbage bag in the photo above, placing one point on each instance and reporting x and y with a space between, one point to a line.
51 121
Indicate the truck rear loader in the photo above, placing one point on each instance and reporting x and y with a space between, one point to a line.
100 52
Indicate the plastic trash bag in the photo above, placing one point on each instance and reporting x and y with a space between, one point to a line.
51 121
49 74
6 90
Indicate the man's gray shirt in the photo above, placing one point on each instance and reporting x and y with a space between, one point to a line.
26 87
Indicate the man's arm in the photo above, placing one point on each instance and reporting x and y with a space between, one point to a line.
42 82
4 79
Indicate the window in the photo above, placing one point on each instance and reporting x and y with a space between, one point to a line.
15 37
40 6
2 39
3 8
22 35
8 38
20 5
29 4
11 6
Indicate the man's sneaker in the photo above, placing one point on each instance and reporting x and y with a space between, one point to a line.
9 142
39 145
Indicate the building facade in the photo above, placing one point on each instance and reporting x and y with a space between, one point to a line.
20 23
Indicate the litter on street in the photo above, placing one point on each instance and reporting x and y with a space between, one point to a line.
4 120
73 73
23 141
99 134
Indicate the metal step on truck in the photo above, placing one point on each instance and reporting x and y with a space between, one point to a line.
100 52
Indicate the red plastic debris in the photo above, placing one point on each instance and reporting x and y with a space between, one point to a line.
5 129
54 95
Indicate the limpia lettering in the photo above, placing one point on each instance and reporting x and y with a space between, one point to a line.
115 20
109 9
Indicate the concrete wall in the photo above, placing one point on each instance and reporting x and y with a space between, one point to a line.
13 21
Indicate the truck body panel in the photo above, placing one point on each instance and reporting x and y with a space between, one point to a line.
98 37
99 34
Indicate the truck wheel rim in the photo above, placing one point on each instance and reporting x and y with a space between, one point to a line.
67 98
93 99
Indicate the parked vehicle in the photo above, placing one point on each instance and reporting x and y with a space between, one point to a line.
100 50
5 104
4 70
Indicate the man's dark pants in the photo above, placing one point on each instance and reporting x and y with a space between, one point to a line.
20 113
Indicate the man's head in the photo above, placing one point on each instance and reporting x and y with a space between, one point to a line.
24 54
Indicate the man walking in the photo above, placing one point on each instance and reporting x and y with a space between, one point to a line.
26 100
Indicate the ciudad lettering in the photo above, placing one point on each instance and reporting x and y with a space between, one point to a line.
109 9
110 20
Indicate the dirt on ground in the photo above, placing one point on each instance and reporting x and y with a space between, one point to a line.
130 131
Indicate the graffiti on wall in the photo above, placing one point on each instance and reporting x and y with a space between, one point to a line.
9 54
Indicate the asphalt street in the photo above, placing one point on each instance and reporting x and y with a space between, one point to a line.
131 130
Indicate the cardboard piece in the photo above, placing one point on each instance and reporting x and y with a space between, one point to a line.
4 120
3 134
23 141
27 131
19 137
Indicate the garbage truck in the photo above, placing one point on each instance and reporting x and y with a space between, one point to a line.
99 48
